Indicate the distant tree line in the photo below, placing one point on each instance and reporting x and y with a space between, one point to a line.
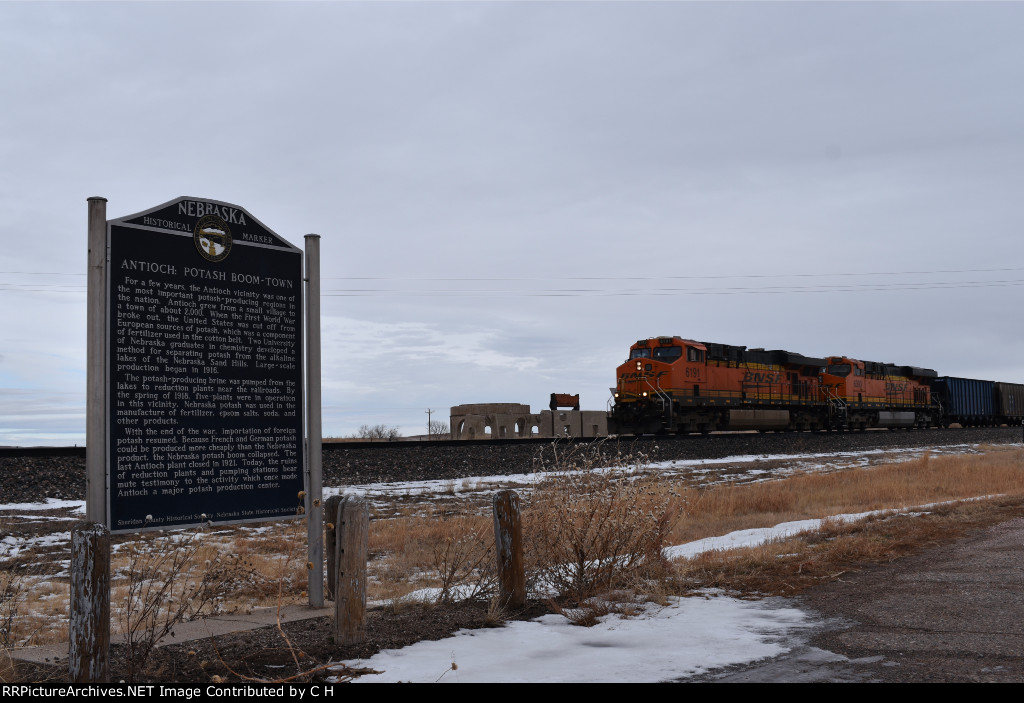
377 432
438 429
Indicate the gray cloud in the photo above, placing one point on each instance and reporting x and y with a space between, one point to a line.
592 152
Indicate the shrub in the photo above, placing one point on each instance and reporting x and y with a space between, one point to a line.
167 583
11 593
464 560
597 524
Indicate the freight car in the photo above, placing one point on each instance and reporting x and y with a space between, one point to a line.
973 403
676 385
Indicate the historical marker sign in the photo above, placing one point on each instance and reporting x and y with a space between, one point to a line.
204 368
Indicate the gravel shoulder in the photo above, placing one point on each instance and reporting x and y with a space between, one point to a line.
953 613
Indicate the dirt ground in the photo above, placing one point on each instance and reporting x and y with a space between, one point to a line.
952 613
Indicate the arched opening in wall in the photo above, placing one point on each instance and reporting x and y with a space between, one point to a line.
462 428
502 431
487 431
565 430
519 428
534 430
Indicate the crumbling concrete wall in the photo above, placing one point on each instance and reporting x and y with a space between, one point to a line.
573 423
507 420
493 421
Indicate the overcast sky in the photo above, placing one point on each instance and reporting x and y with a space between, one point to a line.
510 194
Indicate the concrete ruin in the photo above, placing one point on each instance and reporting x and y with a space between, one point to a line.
510 420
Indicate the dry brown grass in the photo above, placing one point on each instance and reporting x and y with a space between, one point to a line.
33 607
167 579
8 669
440 548
722 509
786 567
12 591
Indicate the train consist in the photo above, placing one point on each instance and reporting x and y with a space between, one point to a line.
675 385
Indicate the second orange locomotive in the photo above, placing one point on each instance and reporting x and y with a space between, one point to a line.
676 385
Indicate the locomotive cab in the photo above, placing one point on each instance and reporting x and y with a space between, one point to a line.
676 385
655 372
872 394
650 361
843 378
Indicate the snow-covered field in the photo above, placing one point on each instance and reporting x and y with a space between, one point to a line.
679 639
688 636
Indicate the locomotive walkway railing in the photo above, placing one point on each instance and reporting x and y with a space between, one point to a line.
664 398
836 406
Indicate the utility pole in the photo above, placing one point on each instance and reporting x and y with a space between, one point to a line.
429 431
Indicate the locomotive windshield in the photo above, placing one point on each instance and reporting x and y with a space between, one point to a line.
642 353
668 354
840 369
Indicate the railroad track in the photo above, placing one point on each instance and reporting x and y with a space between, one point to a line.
31 474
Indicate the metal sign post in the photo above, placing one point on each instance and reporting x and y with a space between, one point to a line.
314 430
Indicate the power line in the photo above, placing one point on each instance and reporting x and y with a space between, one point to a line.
609 278
670 278
550 292
605 292
42 273
600 292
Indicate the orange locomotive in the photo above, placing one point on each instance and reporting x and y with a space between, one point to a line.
675 385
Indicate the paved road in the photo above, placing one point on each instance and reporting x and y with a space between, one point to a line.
954 613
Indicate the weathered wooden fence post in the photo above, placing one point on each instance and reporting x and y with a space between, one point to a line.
508 543
331 543
89 626
352 527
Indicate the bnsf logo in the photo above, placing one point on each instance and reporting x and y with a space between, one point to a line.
635 376
761 377
896 387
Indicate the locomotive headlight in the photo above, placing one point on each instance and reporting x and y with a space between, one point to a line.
639 366
644 394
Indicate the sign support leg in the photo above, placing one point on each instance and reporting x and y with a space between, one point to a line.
314 463
89 613
96 371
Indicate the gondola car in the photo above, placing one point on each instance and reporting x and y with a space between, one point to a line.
970 402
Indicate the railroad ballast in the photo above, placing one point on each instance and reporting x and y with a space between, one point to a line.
676 385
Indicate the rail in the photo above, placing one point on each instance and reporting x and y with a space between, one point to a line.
400 445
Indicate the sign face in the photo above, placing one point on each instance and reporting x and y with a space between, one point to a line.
204 368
